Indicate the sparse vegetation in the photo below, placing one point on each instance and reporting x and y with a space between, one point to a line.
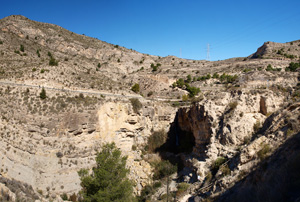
226 78
217 163
155 67
22 49
256 126
43 94
181 188
262 153
163 169
270 68
136 104
292 67
53 62
136 88
38 53
156 140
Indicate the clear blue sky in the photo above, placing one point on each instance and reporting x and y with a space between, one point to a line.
233 28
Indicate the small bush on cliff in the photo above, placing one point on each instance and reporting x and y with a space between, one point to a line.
262 153
53 62
181 188
22 48
135 88
217 163
43 94
156 140
163 169
136 104
292 67
256 126
108 181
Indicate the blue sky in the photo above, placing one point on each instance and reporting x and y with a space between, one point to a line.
233 28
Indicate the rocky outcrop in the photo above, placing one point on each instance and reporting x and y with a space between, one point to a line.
221 124
196 121
48 155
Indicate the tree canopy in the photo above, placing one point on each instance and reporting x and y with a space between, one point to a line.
108 180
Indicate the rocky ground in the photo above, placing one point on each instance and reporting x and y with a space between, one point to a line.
231 136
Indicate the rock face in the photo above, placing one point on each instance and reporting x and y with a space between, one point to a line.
221 123
196 121
48 157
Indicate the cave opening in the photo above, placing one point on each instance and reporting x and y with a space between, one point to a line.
179 141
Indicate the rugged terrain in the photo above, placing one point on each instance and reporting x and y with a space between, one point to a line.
227 140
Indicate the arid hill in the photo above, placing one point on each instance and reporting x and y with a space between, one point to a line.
226 125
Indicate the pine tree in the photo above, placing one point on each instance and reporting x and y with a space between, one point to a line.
108 181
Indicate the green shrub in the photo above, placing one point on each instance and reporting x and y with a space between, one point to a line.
189 78
226 78
217 163
156 140
1 42
256 126
216 76
135 88
64 197
185 98
99 65
270 68
22 49
225 170
157 185
146 193
183 186
136 104
193 91
155 67
34 69
262 153
43 94
163 169
292 67
53 62
247 70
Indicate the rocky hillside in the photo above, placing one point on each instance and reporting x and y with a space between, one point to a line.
282 51
64 95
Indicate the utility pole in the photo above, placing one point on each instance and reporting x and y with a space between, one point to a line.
207 53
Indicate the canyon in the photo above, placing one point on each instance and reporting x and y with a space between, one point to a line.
230 140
